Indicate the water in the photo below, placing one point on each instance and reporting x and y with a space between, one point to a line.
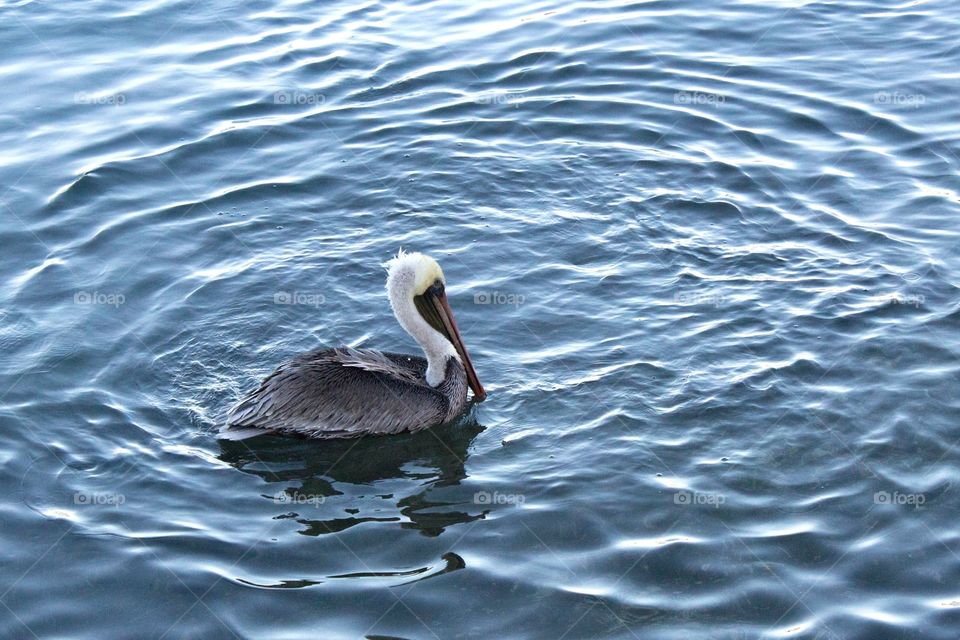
704 254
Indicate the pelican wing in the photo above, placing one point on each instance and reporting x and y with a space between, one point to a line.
378 362
335 393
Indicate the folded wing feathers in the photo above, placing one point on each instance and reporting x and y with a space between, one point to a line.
306 396
371 360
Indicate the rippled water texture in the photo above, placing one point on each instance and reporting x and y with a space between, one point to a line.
704 254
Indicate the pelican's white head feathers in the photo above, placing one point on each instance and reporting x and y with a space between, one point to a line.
416 270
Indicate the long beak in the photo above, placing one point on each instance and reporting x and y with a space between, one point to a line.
453 334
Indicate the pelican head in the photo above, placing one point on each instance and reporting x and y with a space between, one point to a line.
417 291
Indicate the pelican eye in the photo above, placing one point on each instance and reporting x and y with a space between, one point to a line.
437 287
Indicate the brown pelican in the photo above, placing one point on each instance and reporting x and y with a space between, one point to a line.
347 392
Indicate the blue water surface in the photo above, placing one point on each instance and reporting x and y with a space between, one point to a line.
704 254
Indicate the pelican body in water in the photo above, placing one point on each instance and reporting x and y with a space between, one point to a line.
347 392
